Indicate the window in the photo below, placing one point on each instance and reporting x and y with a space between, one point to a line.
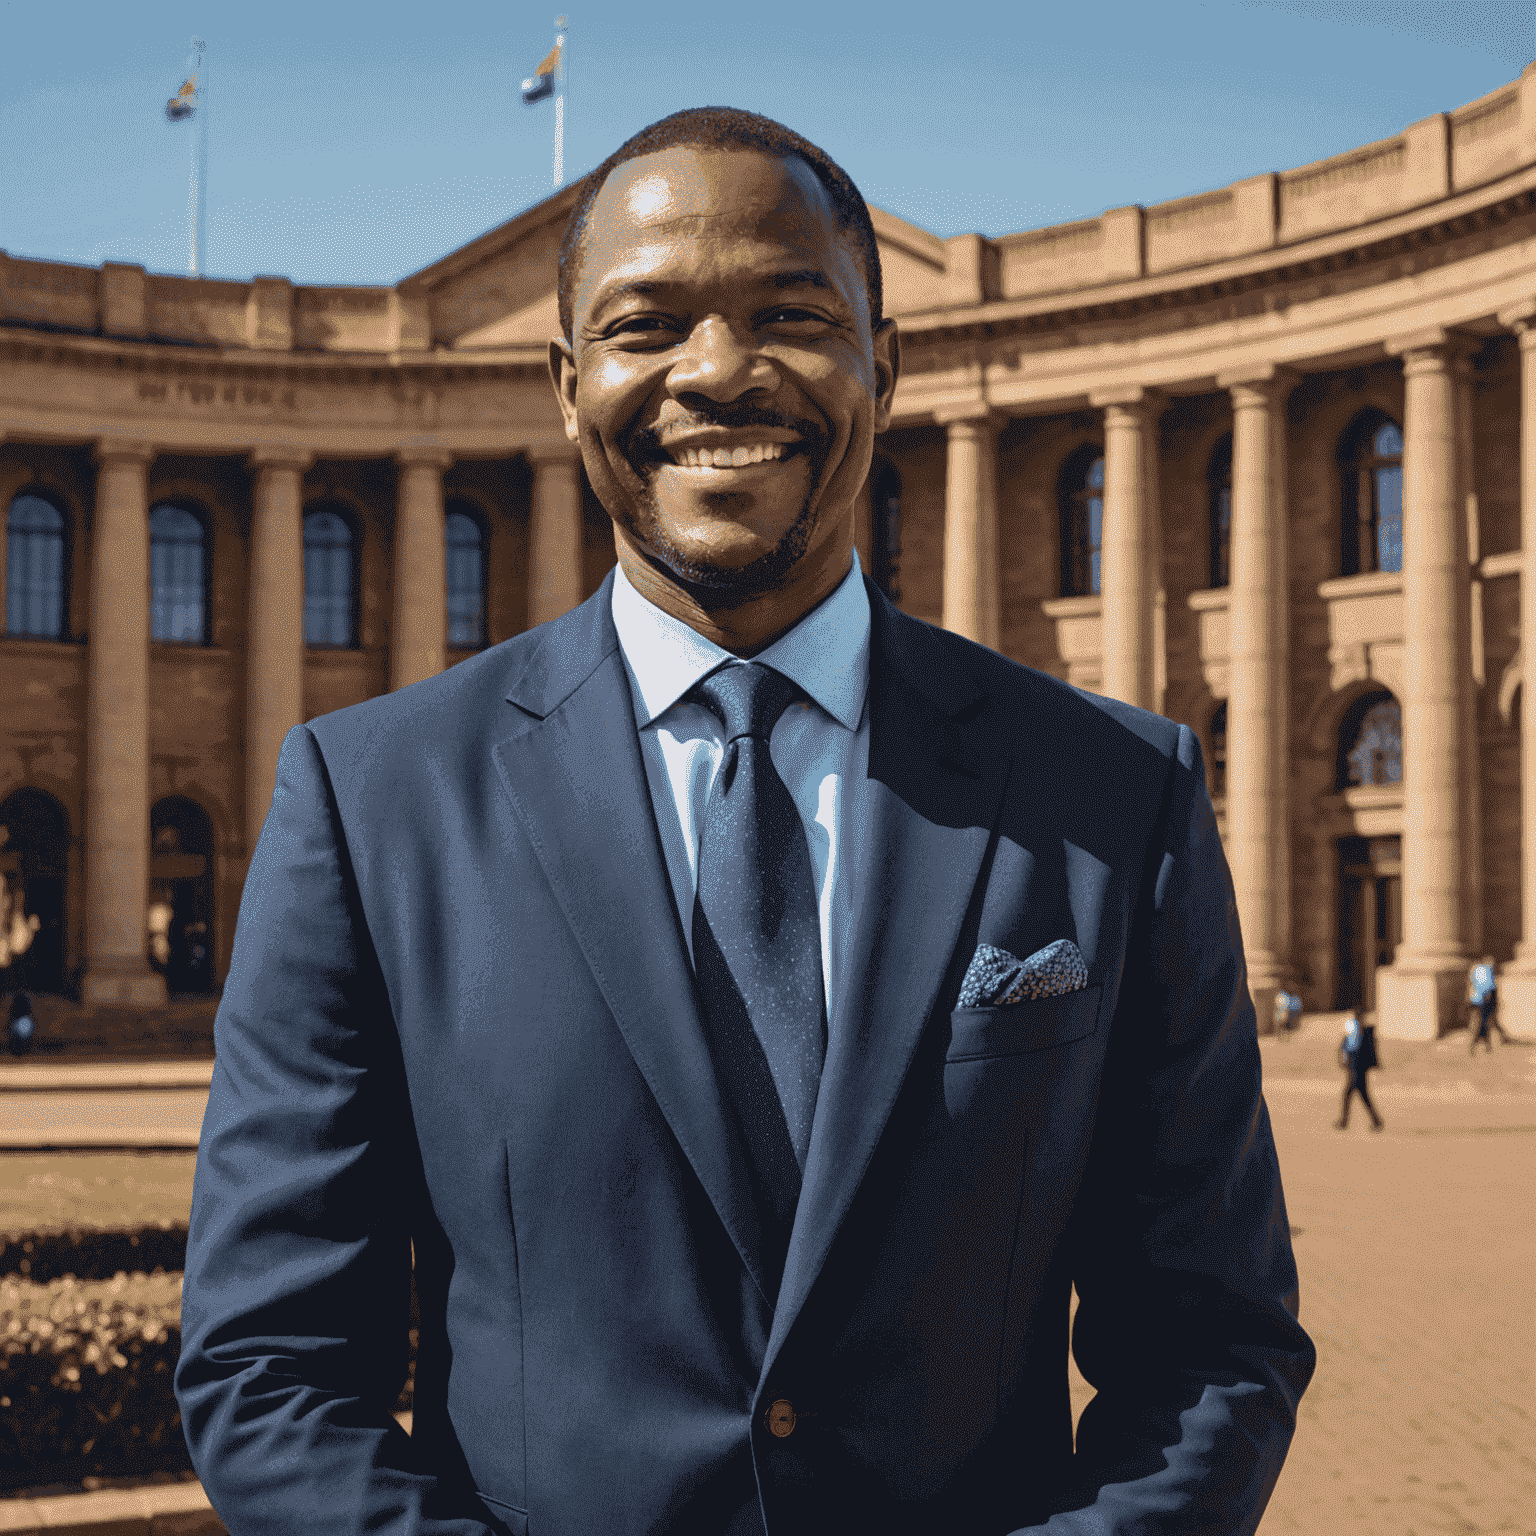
178 576
1371 464
1219 751
1218 476
466 580
35 568
1371 742
1080 493
330 569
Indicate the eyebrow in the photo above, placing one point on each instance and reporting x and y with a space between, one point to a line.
801 277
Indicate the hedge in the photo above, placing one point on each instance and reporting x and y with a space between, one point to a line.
95 1253
86 1370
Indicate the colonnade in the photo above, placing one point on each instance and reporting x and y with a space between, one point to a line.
117 807
1422 993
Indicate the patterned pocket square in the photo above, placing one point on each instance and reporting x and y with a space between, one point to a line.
994 977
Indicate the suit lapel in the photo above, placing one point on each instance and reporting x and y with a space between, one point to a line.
574 773
934 791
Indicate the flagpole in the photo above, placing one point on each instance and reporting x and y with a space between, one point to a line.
202 178
194 188
560 42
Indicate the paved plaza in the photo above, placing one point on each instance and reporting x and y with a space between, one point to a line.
1417 1249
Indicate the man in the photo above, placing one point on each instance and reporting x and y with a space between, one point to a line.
1357 1055
757 1008
1483 994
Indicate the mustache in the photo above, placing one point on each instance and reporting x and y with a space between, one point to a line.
648 442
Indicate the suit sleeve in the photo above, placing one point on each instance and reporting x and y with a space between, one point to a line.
1188 1299
294 1311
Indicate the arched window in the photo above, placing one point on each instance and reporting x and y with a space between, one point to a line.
35 569
1080 495
1218 479
466 578
178 576
1371 466
1371 742
330 579
885 530
1219 750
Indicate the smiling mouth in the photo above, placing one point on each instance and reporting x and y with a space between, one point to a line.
738 457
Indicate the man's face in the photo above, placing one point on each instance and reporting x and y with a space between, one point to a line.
723 381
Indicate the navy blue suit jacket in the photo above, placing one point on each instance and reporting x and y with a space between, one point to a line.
460 1016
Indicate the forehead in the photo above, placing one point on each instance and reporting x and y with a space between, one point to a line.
685 208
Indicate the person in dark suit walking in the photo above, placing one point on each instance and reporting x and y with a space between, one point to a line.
758 1009
1357 1055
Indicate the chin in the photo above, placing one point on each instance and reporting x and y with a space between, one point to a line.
690 563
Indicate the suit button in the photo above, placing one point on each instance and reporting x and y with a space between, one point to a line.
781 1418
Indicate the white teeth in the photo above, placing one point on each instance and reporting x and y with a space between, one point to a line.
729 458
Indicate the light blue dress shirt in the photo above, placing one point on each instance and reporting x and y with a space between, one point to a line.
820 746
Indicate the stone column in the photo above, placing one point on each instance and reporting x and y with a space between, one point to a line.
1258 608
1130 559
1472 774
972 605
274 637
554 533
1517 983
418 637
117 968
1423 992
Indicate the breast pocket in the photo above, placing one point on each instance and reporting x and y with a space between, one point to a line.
1018 1029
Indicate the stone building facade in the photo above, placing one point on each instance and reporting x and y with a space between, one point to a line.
1262 459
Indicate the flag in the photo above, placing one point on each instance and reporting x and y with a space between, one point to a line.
541 82
184 103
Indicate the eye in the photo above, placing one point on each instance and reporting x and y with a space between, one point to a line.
643 326
793 314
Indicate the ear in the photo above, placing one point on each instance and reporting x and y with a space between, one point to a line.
887 371
562 374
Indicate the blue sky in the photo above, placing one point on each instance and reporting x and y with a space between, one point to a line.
359 143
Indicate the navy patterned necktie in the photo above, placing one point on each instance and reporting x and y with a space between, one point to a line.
757 936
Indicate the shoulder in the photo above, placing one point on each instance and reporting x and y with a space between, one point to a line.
1024 707
466 703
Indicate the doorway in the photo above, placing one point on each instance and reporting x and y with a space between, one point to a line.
180 919
34 856
1370 915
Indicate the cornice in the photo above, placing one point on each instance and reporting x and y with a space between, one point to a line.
101 354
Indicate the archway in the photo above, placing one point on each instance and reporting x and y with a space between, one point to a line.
180 917
1370 757
34 858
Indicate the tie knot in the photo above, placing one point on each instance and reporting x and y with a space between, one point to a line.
746 698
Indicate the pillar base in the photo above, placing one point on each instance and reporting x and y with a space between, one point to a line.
1517 998
1419 1002
1263 990
122 986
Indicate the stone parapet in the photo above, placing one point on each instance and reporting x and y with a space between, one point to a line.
123 309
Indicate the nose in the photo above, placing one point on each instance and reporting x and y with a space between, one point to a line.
717 363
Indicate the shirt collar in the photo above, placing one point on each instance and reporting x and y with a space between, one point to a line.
826 653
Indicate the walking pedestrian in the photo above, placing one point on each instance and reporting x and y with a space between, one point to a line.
1483 995
1357 1055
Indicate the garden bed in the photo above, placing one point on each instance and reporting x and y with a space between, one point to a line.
86 1372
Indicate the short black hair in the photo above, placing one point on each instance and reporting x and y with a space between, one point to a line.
727 128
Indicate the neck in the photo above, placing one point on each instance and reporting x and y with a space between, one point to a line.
743 626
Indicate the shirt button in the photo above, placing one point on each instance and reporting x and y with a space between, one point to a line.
781 1418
